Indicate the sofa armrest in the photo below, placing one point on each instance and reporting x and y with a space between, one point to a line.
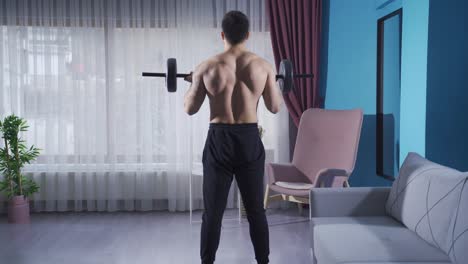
284 172
355 201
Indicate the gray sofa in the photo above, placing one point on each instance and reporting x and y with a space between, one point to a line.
423 218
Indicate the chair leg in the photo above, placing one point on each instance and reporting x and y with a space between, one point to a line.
267 197
346 184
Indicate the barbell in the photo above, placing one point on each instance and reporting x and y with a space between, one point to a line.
285 77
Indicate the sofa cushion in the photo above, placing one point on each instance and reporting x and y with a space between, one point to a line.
458 231
369 239
423 198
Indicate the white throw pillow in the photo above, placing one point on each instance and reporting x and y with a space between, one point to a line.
424 197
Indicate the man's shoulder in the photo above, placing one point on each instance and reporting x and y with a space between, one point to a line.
210 62
205 65
258 62
262 61
255 59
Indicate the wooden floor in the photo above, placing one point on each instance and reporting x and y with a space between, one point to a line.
143 238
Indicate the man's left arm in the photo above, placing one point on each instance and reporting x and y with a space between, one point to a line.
195 96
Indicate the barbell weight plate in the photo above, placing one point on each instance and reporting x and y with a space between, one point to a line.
286 83
171 75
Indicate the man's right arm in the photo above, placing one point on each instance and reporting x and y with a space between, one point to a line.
271 94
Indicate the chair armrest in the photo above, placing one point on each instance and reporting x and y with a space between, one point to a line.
328 177
335 202
284 172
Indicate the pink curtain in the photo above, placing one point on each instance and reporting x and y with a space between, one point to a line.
295 34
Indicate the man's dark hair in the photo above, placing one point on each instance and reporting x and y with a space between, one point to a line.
235 27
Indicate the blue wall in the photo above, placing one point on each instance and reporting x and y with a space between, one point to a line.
352 35
447 84
349 57
348 73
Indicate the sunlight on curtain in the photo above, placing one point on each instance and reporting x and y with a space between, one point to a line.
110 139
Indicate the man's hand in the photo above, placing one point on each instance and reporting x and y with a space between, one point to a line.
188 78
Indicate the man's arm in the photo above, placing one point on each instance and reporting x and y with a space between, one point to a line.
271 94
195 96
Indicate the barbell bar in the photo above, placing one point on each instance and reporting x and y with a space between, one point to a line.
285 77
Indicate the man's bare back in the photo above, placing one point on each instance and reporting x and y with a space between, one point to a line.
234 82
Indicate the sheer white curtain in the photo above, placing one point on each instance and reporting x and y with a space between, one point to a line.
110 139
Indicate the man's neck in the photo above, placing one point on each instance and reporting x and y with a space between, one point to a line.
238 48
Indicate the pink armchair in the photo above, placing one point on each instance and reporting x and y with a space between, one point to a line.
324 156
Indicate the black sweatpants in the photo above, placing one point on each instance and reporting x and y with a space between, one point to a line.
233 149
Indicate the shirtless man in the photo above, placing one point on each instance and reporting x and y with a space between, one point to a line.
234 81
